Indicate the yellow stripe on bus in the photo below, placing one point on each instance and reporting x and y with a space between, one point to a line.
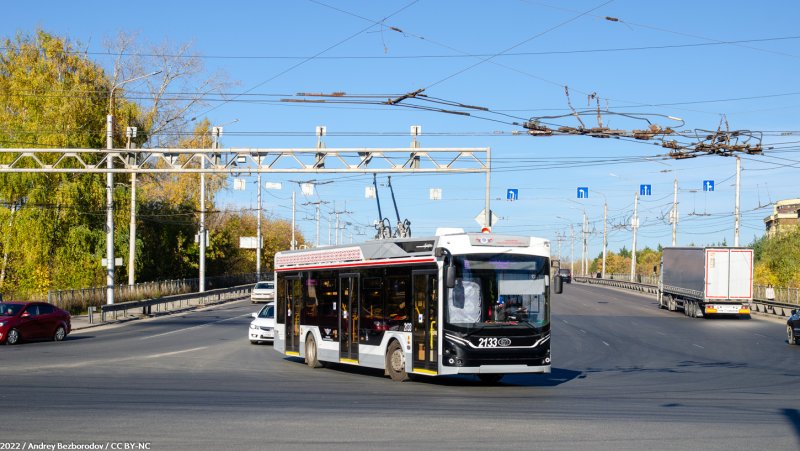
424 371
341 360
293 353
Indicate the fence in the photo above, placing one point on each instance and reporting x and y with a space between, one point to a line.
80 299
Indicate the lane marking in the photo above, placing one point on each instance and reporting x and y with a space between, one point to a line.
660 333
565 321
760 335
693 344
583 331
107 361
194 327
606 344
165 354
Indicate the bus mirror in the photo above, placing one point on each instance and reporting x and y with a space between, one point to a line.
438 252
450 276
558 286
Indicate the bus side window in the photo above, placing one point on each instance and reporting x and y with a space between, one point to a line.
397 302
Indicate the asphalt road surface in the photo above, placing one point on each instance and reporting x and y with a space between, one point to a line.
626 375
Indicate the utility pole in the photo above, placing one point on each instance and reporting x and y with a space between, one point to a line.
216 132
110 205
258 226
585 252
130 132
337 213
316 217
293 245
110 188
605 239
634 226
673 217
330 224
572 254
736 210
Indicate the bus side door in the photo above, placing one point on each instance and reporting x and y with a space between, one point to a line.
425 338
294 304
349 308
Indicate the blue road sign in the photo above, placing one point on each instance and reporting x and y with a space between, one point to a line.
645 190
708 185
583 192
512 194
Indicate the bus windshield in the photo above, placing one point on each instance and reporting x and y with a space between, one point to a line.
498 290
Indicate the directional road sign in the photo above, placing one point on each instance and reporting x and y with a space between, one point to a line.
645 190
583 192
512 194
708 185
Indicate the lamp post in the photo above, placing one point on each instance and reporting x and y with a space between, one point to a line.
110 188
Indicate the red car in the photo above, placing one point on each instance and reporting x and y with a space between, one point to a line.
32 321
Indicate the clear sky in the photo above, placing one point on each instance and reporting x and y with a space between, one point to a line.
691 60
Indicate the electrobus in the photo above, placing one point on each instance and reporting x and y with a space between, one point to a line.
455 303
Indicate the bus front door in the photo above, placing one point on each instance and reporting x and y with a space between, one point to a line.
294 296
349 305
425 338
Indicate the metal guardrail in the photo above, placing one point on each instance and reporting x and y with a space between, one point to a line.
643 287
760 303
167 303
80 299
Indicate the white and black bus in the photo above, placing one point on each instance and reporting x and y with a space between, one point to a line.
458 303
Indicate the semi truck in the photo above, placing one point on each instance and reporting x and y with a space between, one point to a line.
706 281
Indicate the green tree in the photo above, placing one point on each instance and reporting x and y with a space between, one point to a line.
51 223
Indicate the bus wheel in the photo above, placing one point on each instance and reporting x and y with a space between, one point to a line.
396 362
490 378
311 352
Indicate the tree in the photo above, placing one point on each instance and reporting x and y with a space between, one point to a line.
51 97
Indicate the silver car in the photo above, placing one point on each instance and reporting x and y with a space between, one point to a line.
263 292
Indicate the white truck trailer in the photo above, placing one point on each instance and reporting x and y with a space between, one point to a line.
706 281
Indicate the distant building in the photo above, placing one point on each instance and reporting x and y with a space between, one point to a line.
785 216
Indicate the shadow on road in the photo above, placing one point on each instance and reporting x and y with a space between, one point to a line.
557 377
793 415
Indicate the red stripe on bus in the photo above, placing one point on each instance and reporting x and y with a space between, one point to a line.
355 264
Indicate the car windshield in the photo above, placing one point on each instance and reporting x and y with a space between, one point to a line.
10 309
563 271
267 312
498 290
265 285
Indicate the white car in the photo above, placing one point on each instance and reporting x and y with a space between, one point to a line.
263 292
262 328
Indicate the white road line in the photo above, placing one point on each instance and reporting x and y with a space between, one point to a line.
582 330
165 354
760 335
606 344
193 327
99 362
565 321
661 333
693 344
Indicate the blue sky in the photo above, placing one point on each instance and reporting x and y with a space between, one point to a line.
656 54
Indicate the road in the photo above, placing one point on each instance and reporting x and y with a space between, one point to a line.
625 376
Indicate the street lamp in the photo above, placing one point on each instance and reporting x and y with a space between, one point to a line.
110 188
